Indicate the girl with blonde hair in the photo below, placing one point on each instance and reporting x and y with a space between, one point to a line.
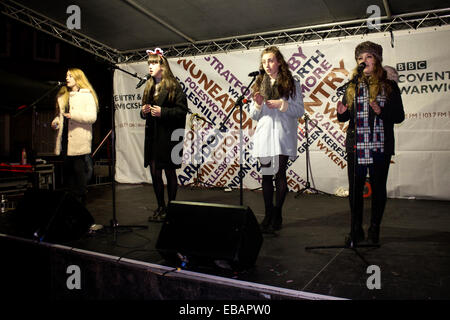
76 111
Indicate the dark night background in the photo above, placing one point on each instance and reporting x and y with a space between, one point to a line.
28 60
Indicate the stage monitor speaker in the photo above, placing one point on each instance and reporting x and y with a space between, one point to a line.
51 216
207 232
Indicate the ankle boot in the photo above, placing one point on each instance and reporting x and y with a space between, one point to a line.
358 237
373 234
266 223
159 214
277 219
267 218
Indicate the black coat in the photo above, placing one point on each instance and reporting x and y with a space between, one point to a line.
391 113
158 130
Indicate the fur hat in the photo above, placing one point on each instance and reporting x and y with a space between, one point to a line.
369 47
391 73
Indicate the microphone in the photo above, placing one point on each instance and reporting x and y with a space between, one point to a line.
142 81
361 67
57 83
256 73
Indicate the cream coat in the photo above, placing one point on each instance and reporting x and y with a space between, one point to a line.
83 112
276 131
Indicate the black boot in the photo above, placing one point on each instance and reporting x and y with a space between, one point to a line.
373 234
158 215
266 224
277 219
358 237
355 227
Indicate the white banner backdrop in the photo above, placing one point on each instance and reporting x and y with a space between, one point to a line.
213 83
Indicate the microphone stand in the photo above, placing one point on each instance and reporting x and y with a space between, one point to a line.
114 224
33 107
352 244
111 67
308 164
198 182
239 103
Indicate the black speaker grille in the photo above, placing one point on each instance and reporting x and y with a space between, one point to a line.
210 231
52 216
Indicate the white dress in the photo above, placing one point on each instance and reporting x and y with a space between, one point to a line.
276 131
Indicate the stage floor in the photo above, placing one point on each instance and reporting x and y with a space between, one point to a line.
413 259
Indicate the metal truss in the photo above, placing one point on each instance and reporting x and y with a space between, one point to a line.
42 23
411 21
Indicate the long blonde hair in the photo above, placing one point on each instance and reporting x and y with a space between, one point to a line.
168 80
82 83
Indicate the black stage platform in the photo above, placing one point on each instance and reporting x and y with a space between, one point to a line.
413 259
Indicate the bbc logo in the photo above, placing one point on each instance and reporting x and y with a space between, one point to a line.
414 65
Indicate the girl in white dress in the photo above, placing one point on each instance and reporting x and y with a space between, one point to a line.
277 105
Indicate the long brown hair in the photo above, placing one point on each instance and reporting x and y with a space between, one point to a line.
168 80
82 83
377 83
286 86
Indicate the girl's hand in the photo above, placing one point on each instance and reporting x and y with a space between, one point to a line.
341 108
146 108
375 107
274 104
258 98
155 111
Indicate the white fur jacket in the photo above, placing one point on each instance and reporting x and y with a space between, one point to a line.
83 112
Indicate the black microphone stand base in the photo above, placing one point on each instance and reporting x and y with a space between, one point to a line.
116 228
311 189
352 246
115 224
199 183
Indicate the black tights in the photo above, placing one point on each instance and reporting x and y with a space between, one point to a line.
158 184
280 184
76 176
378 174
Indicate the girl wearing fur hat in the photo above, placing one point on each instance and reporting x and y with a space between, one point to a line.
77 108
277 105
374 104
164 108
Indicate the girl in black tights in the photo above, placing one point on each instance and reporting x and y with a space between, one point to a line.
164 106
158 187
273 217
277 105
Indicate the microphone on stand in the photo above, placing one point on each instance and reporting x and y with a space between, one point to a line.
256 73
361 67
142 81
57 83
341 90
